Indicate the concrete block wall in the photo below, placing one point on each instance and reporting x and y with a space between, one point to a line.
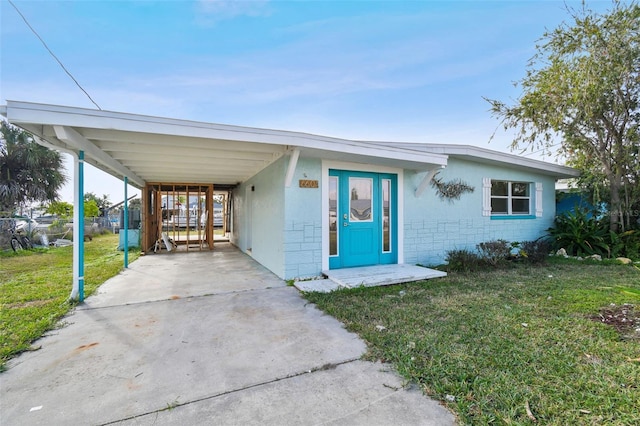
427 242
303 249
303 223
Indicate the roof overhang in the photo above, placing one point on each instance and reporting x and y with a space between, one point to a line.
154 149
487 156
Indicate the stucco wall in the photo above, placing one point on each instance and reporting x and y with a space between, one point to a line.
303 222
285 233
258 217
433 226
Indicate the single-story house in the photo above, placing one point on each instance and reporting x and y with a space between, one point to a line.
300 204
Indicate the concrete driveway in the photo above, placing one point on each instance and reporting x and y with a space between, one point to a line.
204 338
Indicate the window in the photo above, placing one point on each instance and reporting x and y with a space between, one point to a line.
510 198
333 215
386 215
360 201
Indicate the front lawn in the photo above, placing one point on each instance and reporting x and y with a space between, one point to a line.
35 286
553 343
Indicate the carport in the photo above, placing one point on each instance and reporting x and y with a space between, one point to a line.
169 158
156 155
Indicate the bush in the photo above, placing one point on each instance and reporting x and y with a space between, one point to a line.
535 252
580 234
463 261
625 244
495 253
498 254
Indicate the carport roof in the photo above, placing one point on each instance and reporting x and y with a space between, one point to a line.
153 149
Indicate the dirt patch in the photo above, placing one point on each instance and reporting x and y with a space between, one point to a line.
29 304
624 318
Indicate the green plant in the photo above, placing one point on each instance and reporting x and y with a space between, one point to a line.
535 252
625 244
463 261
495 253
579 233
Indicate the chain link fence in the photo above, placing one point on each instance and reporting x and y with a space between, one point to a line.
48 231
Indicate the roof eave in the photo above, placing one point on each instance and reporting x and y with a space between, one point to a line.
483 155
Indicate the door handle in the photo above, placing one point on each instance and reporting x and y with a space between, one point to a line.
345 224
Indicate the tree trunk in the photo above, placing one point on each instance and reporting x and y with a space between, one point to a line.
615 210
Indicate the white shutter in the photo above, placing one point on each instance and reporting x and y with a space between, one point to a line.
486 196
538 199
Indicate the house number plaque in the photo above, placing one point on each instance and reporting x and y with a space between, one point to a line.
305 183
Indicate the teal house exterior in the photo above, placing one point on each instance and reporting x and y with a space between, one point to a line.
299 232
303 204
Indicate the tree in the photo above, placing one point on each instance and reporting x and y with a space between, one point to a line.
65 210
136 203
61 209
28 172
102 203
91 209
583 87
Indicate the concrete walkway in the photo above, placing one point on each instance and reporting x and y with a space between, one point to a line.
204 338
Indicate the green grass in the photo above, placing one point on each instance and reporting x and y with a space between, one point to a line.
500 342
35 287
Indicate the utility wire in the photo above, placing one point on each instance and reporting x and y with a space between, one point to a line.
53 55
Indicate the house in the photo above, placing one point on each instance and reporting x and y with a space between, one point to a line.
301 204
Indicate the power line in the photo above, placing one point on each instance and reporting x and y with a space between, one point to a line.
53 55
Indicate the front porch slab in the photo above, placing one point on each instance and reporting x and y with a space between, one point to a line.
319 286
371 276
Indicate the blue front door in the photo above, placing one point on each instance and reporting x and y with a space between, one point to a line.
362 218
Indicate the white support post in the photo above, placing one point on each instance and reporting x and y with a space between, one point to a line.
293 162
77 286
77 291
126 224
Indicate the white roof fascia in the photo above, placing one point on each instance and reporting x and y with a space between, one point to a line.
97 119
483 155
75 139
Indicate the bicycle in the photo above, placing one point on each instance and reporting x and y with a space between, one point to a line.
19 241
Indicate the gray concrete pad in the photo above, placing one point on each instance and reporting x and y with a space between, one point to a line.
319 285
378 275
175 275
205 346
354 393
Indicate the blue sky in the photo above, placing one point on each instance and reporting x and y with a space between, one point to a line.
372 70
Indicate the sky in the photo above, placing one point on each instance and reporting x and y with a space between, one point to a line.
405 71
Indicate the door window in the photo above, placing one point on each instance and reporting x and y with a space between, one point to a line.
360 200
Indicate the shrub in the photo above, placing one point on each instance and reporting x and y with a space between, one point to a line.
494 253
535 252
463 261
625 244
580 234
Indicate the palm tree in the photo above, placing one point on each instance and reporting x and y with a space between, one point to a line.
28 172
